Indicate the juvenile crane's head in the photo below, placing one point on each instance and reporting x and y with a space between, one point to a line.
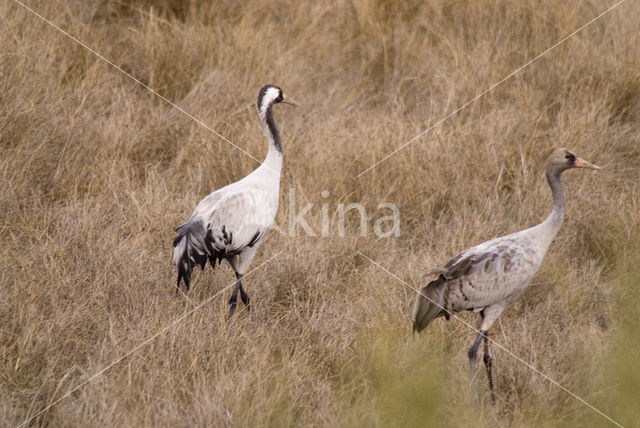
563 159
429 304
270 95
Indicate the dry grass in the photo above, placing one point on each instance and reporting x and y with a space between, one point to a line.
95 172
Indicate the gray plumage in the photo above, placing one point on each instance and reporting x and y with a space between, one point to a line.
488 277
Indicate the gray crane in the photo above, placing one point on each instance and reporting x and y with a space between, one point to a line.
488 277
230 223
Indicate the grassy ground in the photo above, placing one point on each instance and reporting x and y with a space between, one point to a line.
95 172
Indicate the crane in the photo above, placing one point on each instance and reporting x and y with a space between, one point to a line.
488 277
231 223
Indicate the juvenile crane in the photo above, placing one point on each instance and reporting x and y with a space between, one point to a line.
488 277
231 223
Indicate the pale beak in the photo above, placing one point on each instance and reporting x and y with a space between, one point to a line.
290 101
581 163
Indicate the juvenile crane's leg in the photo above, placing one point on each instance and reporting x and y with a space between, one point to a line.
489 315
473 352
488 363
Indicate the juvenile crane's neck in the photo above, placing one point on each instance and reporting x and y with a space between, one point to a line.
554 221
274 156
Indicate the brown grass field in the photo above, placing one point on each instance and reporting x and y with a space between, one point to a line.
96 171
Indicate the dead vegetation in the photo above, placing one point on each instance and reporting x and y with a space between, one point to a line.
95 172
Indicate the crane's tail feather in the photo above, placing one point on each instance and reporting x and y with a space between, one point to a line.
429 304
192 246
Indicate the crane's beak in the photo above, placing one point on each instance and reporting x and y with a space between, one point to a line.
290 101
581 163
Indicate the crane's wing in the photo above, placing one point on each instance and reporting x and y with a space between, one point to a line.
209 202
490 256
488 273
224 223
239 220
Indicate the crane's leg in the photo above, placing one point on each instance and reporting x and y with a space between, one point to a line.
473 352
240 263
488 364
233 300
243 295
489 315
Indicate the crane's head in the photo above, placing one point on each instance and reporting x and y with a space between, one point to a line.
562 159
270 95
429 304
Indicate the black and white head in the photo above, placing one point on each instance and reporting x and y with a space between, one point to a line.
563 159
270 95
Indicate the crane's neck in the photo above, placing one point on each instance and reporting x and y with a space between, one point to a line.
554 221
273 161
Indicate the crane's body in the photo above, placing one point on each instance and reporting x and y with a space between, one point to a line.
488 277
495 273
231 223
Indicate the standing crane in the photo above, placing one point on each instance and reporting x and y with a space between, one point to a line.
488 277
231 223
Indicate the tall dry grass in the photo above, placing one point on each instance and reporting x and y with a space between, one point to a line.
96 171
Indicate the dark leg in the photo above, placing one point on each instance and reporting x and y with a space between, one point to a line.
488 364
233 301
473 352
243 295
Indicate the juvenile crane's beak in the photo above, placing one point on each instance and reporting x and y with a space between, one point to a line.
581 163
290 101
